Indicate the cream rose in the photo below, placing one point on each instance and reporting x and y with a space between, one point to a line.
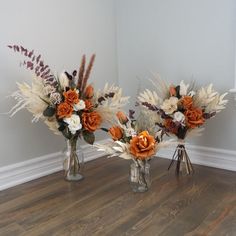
170 105
179 117
79 106
73 123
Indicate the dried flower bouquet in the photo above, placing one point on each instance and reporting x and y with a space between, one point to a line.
67 104
182 110
136 140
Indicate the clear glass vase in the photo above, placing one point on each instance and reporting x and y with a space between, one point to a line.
73 162
140 176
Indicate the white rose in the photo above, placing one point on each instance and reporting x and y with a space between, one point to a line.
79 106
179 117
170 105
183 88
64 82
73 123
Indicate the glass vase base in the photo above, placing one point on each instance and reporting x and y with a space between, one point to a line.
76 177
73 161
139 189
140 177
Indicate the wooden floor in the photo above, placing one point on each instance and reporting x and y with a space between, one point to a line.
103 203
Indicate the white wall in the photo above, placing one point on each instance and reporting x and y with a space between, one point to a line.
180 40
61 31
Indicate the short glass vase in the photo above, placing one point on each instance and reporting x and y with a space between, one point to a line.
140 176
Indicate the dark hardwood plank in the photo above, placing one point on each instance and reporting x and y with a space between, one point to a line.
173 196
103 203
11 229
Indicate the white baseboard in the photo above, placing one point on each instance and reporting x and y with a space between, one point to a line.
22 172
206 156
25 171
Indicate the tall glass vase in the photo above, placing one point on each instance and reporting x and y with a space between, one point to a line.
73 162
183 163
140 176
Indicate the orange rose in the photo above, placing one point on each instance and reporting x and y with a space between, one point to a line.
88 105
172 90
91 120
89 91
71 96
142 146
194 117
64 110
122 117
116 133
187 102
170 126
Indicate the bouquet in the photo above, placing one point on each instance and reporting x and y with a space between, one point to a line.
132 140
67 104
182 110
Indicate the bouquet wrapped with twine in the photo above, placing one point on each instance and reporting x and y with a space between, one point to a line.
182 110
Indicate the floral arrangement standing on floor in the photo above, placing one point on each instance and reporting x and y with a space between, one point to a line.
67 104
132 140
181 109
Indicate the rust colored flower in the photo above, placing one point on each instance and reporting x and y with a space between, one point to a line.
187 102
170 126
172 90
116 133
64 110
71 96
91 120
122 117
194 117
143 146
88 105
89 91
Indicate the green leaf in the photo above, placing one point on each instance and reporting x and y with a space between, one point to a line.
177 89
66 133
104 129
62 127
49 111
89 137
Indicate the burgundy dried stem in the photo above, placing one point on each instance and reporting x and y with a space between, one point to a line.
87 73
81 72
34 63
